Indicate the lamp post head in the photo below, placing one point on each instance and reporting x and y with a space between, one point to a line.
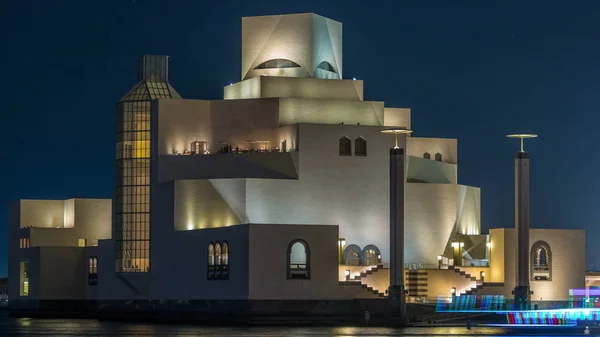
522 136
396 132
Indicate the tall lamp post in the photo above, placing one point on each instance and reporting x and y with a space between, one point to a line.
522 291
396 293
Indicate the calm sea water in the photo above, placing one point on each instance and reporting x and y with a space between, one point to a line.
90 328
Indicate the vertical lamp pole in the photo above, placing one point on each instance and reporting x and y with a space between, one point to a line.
522 291
396 292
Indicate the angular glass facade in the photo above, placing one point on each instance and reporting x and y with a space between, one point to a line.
132 197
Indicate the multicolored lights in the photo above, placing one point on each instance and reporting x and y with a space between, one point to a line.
583 306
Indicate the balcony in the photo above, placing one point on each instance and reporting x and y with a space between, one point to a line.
228 162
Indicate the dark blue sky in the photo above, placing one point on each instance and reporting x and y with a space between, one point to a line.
470 70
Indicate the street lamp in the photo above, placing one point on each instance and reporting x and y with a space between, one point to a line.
396 132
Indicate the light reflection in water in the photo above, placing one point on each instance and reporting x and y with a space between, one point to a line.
88 328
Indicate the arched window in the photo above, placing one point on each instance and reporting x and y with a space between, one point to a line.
438 156
225 253
218 269
427 155
345 146
351 255
211 254
218 253
225 260
93 270
277 63
541 261
371 255
326 66
360 147
211 261
298 260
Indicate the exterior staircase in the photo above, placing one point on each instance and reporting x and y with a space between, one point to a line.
365 274
473 290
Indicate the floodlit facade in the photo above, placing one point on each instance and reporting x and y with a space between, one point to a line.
53 245
279 191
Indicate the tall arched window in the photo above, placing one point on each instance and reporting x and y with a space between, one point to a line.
345 146
225 260
352 255
438 156
93 270
211 261
371 255
360 147
218 261
298 260
427 155
541 261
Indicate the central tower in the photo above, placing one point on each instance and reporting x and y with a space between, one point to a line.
131 228
293 45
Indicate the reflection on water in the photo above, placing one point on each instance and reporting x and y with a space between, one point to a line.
90 328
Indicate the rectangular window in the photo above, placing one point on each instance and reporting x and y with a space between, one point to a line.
24 278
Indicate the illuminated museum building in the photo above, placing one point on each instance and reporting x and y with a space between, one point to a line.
278 191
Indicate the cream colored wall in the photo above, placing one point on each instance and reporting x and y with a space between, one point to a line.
354 271
198 204
234 121
396 117
476 272
497 255
295 87
432 217
441 281
53 237
42 213
306 39
431 171
276 36
320 111
85 219
250 88
568 261
379 280
447 147
268 262
93 219
63 273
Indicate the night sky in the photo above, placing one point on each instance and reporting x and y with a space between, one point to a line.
468 69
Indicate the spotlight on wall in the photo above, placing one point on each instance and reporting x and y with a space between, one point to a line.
440 258
489 244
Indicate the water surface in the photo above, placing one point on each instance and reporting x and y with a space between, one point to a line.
90 328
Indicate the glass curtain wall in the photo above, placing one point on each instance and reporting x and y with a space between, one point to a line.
132 198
